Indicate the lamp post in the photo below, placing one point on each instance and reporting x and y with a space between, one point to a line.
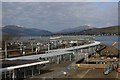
6 50
32 46
24 50
38 47
21 47
36 50
48 47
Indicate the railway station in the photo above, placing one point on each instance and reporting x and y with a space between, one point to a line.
18 69
31 65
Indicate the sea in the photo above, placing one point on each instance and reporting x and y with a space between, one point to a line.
109 40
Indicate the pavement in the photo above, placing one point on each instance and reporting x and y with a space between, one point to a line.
75 73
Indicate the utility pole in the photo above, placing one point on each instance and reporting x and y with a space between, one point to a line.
20 47
32 46
5 50
48 47
36 50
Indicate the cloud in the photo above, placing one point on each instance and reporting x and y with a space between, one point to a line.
0 14
60 0
57 16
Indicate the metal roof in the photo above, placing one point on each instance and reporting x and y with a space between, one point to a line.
8 63
22 65
37 56
54 52
77 47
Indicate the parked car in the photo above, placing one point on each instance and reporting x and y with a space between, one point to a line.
118 67
108 69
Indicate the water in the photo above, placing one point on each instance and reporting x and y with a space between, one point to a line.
108 40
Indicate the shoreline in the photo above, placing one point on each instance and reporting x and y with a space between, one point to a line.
108 40
111 50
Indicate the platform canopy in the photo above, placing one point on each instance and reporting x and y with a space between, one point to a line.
37 56
15 64
95 43
56 52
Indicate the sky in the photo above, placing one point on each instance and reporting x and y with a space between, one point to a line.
56 16
59 0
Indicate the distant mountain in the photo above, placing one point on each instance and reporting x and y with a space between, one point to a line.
21 31
76 29
99 31
91 31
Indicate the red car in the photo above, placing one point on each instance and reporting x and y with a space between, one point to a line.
118 69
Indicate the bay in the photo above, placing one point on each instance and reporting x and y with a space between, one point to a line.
108 40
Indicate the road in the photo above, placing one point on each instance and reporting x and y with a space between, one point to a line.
79 73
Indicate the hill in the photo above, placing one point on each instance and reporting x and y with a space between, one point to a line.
21 31
94 31
76 29
102 31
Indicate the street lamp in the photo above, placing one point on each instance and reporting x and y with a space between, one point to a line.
38 47
21 47
36 50
6 50
32 46
48 47
24 50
